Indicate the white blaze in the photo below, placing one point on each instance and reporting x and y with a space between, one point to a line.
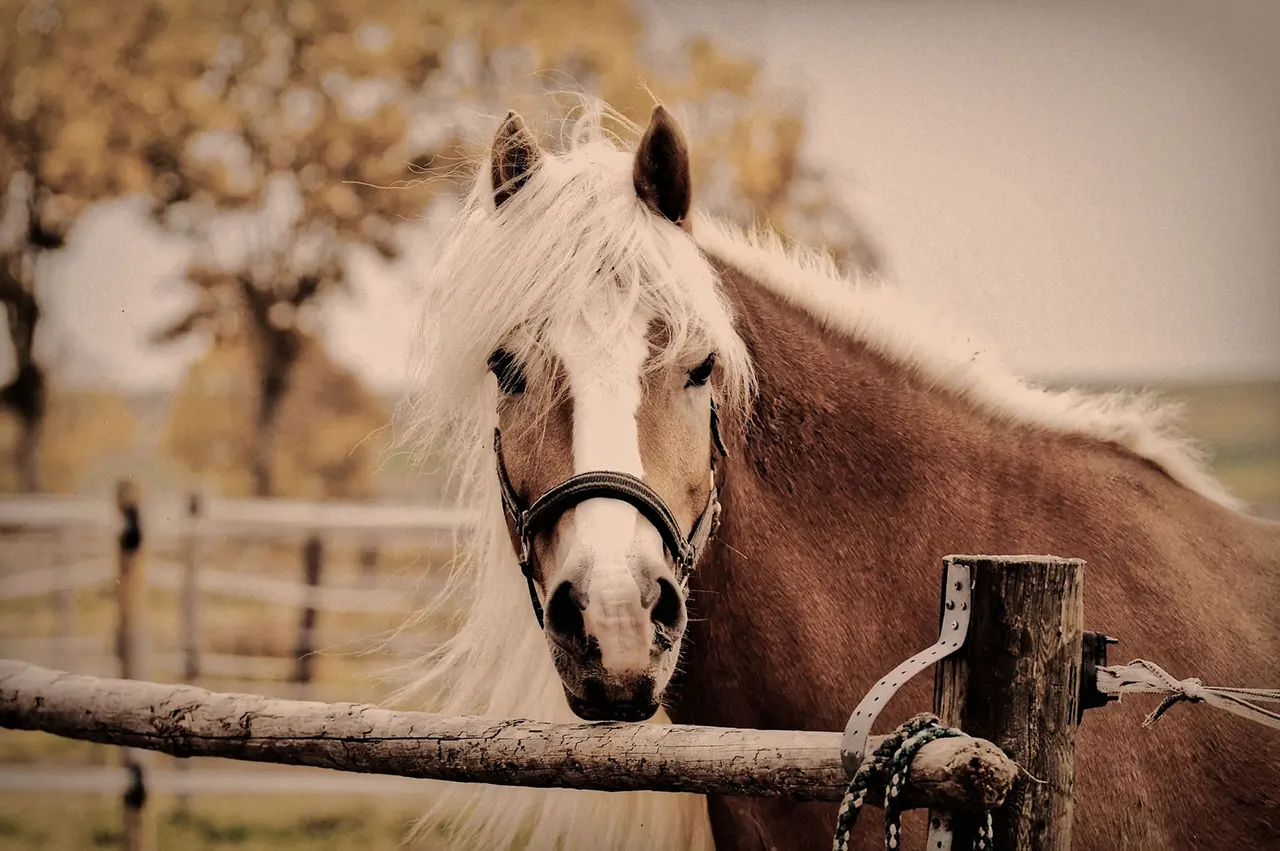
609 535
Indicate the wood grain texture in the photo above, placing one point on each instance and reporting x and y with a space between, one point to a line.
1016 681
956 774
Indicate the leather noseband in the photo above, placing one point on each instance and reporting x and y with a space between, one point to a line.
605 484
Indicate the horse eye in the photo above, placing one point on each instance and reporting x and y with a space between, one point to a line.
507 370
701 374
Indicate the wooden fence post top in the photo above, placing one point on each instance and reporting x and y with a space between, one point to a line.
128 495
1015 561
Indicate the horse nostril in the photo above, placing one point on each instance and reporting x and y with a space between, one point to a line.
669 609
564 611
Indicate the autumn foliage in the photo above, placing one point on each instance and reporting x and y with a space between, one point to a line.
282 136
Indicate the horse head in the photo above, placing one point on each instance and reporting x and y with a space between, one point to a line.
606 439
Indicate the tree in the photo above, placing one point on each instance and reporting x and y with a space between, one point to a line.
746 135
747 155
306 118
26 230
71 132
282 135
22 239
294 119
326 446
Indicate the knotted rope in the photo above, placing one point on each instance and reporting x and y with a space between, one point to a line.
885 771
1145 677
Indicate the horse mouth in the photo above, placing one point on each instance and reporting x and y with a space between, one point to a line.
597 705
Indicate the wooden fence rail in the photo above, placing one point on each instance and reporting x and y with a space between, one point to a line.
953 774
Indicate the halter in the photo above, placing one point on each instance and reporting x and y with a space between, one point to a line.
606 484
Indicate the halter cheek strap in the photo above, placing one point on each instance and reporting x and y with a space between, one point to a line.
604 484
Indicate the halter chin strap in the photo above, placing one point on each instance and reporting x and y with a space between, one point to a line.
604 484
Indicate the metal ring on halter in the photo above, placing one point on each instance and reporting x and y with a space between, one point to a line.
955 627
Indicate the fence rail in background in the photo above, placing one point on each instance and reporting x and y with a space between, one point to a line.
196 584
51 580
169 517
392 597
220 666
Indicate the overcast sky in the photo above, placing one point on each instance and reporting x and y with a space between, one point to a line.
1091 187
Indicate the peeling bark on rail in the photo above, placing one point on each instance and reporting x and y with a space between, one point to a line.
950 774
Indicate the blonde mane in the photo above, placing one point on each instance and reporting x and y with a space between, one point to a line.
515 280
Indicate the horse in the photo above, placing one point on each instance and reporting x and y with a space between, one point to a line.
713 479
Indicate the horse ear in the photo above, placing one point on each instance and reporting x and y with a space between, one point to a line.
515 155
662 168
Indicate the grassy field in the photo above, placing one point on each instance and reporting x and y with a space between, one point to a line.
1240 424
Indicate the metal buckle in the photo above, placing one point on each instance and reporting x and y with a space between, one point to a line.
955 627
525 564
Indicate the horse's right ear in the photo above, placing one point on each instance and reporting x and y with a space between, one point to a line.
515 155
661 172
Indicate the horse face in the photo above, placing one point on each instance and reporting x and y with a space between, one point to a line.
614 604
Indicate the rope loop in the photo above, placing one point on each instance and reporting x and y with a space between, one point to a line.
885 772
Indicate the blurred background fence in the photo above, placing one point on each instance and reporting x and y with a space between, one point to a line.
61 553
280 597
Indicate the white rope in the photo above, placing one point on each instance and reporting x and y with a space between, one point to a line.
1143 677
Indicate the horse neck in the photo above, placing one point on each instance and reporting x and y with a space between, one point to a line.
836 425
847 481
835 449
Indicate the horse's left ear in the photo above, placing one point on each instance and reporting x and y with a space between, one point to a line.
515 155
662 168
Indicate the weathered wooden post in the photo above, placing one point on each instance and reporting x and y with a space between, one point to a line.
368 564
189 620
304 653
1016 682
64 595
191 591
131 648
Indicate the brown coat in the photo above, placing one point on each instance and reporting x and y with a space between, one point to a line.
846 486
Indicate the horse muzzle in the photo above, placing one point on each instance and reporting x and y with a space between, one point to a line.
633 700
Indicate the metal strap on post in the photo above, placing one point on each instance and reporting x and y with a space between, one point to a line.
956 610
